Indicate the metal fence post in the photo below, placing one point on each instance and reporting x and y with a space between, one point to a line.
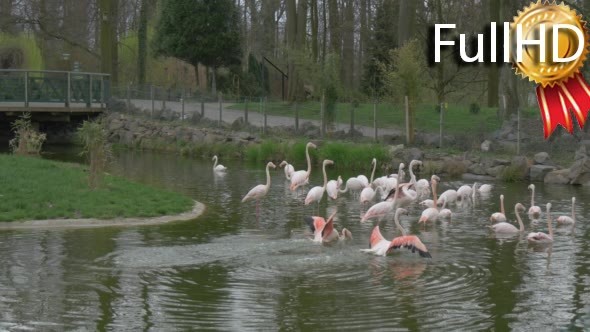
128 98
322 116
152 98
26 89
264 113
220 109
101 91
296 117
351 131
375 118
518 131
89 103
163 102
407 112
182 107
246 111
440 138
68 88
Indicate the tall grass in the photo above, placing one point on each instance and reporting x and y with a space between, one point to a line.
26 139
97 149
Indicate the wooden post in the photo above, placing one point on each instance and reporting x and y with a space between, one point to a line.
246 111
440 138
375 118
152 97
220 109
163 101
26 89
407 112
322 117
128 97
264 113
296 117
351 132
202 107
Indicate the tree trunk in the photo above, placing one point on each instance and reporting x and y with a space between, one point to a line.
214 81
314 29
334 26
142 42
493 70
324 31
347 69
115 42
106 31
363 40
6 20
406 22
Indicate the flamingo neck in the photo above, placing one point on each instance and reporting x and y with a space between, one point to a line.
521 225
412 176
308 160
549 223
267 178
409 194
532 196
325 176
373 172
397 224
502 206
434 198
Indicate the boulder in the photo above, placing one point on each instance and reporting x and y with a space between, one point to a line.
538 172
520 165
477 169
542 158
503 162
557 177
495 171
580 170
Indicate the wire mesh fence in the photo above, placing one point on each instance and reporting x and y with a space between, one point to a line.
452 126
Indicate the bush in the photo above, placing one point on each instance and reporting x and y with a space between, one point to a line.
26 139
474 108
93 136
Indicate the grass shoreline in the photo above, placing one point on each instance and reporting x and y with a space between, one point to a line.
38 189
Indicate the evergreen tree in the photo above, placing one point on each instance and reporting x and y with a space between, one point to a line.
199 31
384 39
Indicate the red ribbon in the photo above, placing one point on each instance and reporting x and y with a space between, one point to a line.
557 101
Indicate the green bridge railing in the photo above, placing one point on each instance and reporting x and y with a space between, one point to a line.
51 86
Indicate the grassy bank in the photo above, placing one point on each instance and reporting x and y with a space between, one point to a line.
457 118
33 188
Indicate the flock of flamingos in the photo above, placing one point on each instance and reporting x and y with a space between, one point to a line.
395 195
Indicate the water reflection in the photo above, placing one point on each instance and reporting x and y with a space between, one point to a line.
229 270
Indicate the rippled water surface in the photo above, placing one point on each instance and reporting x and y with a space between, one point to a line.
230 270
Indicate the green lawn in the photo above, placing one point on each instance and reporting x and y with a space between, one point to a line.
33 188
457 119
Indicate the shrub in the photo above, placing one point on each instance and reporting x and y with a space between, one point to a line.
26 139
97 149
474 108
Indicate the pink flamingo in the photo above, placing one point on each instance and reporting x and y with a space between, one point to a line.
315 194
288 168
316 224
431 214
381 209
499 216
380 246
534 211
300 178
445 213
368 193
260 190
507 228
566 220
333 187
540 237
329 234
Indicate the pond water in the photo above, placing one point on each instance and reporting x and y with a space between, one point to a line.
229 270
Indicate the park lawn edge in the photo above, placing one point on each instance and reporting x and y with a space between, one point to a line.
37 189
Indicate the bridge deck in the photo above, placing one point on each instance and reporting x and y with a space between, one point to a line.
12 107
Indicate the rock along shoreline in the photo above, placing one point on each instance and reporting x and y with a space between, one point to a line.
197 211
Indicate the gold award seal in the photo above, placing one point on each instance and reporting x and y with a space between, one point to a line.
561 87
